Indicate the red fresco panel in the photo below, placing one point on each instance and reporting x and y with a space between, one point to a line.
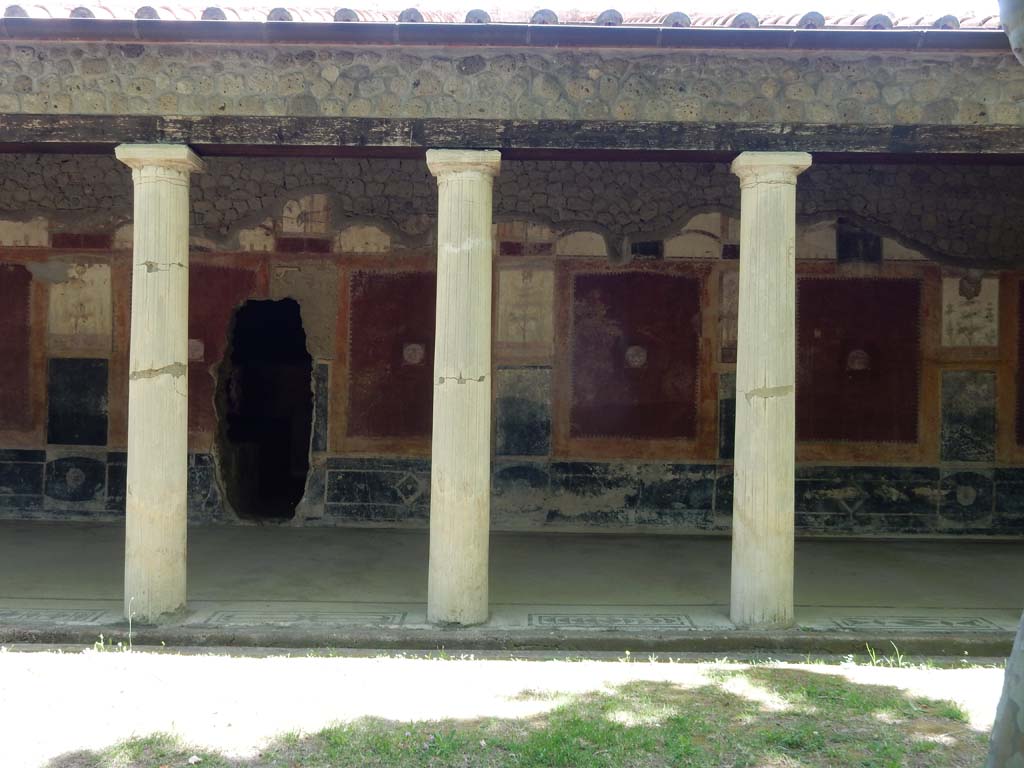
82 240
15 347
213 295
858 359
1020 364
635 345
391 353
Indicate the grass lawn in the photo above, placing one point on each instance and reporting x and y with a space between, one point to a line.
772 716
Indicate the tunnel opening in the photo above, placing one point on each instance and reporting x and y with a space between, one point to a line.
265 410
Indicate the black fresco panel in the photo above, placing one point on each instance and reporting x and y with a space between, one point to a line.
853 244
680 494
18 477
77 413
523 412
968 416
117 486
726 415
204 501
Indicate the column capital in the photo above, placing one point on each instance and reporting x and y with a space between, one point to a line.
444 162
176 156
770 167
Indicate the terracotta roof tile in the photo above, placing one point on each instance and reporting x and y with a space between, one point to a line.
610 16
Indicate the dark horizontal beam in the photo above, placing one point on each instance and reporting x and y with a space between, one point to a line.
327 135
533 35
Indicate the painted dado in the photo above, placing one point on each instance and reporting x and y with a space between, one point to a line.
615 297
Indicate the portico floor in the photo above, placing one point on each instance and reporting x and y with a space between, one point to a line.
70 574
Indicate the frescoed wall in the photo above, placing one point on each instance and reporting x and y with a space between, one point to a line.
614 342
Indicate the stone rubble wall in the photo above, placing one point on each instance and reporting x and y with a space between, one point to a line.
966 214
856 88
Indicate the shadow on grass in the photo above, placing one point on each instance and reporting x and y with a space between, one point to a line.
762 717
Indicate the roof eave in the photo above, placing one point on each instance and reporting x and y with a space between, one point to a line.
499 35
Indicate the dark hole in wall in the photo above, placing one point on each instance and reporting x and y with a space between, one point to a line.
265 410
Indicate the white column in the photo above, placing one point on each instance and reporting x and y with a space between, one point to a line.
1006 747
154 566
762 534
460 483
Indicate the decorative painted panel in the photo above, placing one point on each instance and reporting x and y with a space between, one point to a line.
867 499
80 317
594 493
391 353
20 234
970 312
524 238
15 347
701 238
967 501
362 238
635 341
532 493
378 490
525 325
309 215
858 359
76 479
582 244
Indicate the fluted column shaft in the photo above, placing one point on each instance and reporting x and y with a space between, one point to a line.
762 536
460 487
156 514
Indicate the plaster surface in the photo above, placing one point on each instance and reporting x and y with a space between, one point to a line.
70 573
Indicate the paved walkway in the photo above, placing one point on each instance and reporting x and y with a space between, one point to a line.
64 574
